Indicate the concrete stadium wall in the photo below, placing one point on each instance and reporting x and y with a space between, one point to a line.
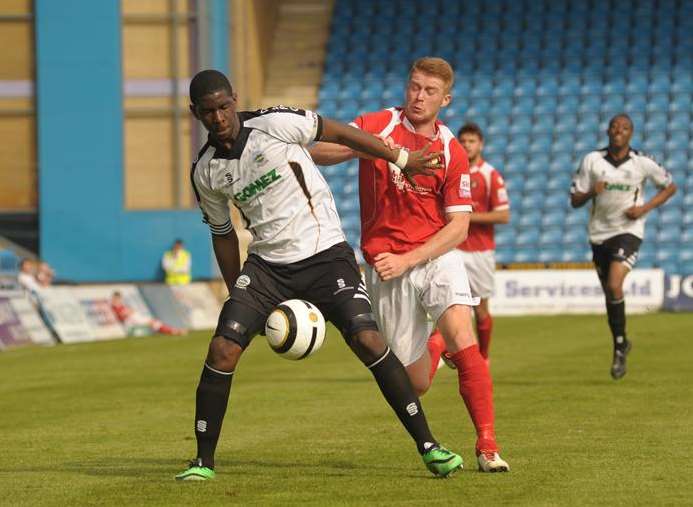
85 231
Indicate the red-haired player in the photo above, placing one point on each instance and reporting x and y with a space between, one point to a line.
410 227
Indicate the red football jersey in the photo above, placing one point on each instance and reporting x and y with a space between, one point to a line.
396 217
489 194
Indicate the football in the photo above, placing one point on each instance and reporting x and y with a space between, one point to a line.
295 329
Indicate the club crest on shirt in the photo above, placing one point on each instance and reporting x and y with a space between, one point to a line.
230 180
259 158
398 179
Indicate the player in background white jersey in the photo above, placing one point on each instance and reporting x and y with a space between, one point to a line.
258 160
613 179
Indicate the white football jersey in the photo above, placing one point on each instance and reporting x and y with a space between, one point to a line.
625 181
272 180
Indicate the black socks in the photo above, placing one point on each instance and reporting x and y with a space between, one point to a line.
394 383
616 312
210 407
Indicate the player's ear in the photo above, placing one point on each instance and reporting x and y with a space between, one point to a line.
446 100
193 110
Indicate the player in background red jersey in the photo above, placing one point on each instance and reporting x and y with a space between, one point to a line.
491 207
409 231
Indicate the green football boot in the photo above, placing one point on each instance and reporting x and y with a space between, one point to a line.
196 472
442 462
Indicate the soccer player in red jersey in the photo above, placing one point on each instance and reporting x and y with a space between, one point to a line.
409 230
491 206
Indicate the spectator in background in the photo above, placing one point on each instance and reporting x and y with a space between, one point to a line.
44 274
133 320
27 278
613 180
176 263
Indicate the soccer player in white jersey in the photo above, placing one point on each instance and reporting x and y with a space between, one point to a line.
613 179
258 160
410 229
490 207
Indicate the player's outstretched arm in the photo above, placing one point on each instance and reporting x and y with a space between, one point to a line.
657 200
411 163
228 256
324 153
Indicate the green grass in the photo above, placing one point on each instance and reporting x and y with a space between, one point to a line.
111 423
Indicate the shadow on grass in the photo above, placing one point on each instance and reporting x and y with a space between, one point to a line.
166 468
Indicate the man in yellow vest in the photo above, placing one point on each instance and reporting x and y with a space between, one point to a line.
176 264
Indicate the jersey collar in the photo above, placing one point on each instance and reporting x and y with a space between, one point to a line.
407 124
477 167
616 163
238 145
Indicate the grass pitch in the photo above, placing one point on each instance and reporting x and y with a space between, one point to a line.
111 423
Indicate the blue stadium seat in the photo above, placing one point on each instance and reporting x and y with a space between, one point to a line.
685 256
577 253
670 215
551 236
501 106
526 254
668 235
504 255
551 254
576 218
535 184
529 214
677 159
654 140
514 184
520 125
541 143
546 105
556 218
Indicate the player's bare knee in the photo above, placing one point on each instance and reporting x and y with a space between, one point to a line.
420 386
460 340
223 353
614 291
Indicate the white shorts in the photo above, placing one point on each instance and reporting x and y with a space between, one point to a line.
481 266
402 305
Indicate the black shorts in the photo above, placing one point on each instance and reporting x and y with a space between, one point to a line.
622 248
330 279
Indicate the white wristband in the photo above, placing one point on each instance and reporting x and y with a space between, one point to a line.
402 158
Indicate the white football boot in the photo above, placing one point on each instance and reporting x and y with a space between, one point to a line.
492 462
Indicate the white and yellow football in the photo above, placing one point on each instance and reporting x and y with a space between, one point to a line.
295 329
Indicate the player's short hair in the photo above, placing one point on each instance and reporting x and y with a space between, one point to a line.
622 115
206 82
437 67
471 128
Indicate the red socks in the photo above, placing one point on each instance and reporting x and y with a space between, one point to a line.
476 390
436 347
483 331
